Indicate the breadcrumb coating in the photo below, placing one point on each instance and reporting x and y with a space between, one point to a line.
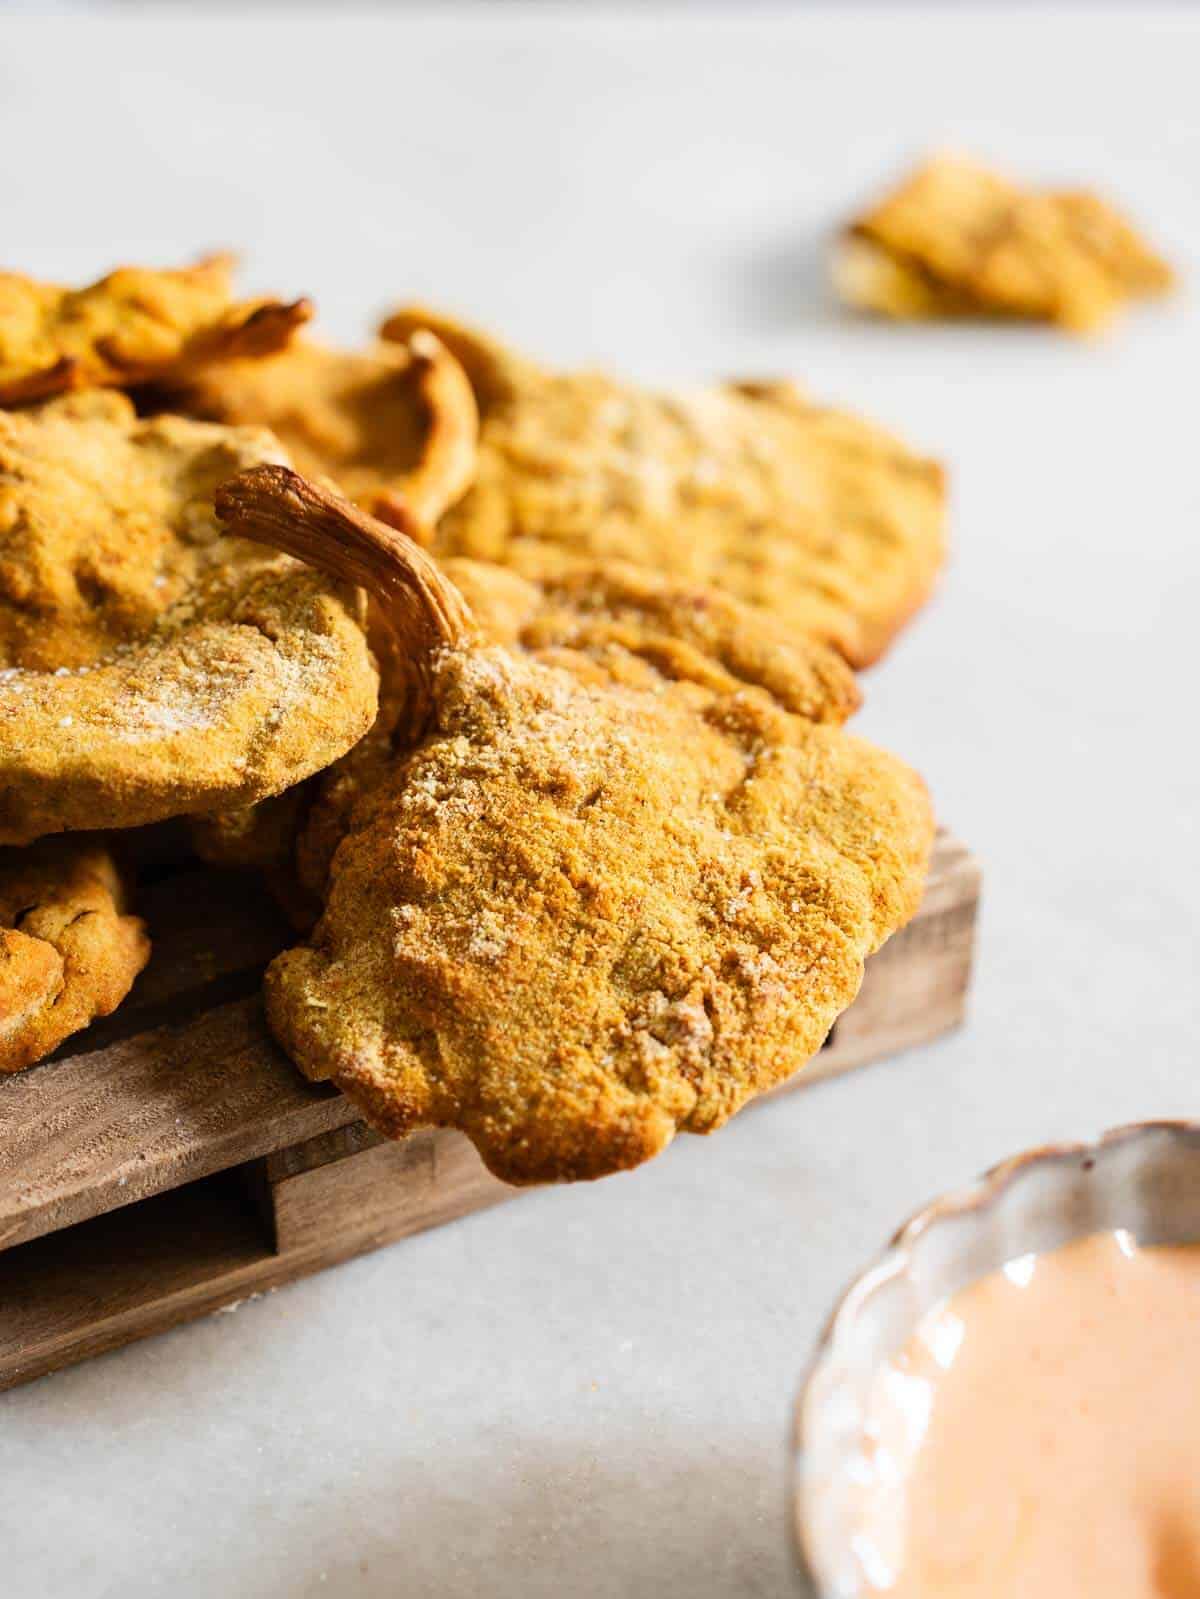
824 520
149 665
69 950
956 239
133 326
394 426
615 889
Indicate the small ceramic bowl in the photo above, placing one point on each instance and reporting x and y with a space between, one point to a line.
1143 1178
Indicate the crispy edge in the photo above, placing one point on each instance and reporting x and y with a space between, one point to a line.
80 955
252 329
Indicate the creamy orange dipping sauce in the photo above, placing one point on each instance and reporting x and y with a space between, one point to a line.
1039 1436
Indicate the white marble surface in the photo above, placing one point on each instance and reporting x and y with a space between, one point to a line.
587 1392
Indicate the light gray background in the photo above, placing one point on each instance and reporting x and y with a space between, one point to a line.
587 1392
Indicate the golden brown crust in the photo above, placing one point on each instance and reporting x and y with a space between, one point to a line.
1112 241
676 629
133 326
394 426
827 522
69 952
683 631
614 892
582 916
149 666
655 628
955 239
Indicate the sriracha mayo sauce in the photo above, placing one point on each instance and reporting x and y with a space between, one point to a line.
1039 1436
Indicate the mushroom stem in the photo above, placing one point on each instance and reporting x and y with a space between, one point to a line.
448 460
493 370
275 506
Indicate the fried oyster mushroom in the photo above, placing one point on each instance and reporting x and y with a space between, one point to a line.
956 239
151 666
605 897
683 628
69 950
817 516
394 426
684 631
133 326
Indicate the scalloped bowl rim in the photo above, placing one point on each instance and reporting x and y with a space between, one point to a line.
1098 1184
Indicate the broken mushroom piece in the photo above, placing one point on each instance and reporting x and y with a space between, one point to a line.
133 326
69 950
394 426
604 897
151 666
956 239
822 519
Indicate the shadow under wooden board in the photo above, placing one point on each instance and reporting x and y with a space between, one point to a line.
170 1160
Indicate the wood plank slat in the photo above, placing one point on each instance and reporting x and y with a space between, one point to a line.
119 1277
94 1132
385 1192
185 1166
193 1250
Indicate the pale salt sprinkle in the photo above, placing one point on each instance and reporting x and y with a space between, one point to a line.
758 966
684 1022
294 684
144 716
737 904
419 795
490 938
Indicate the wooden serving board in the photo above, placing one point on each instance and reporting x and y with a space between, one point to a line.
171 1160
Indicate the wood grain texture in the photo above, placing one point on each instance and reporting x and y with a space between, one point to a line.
109 1236
385 1192
119 1277
87 1134
193 1250
97 1130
